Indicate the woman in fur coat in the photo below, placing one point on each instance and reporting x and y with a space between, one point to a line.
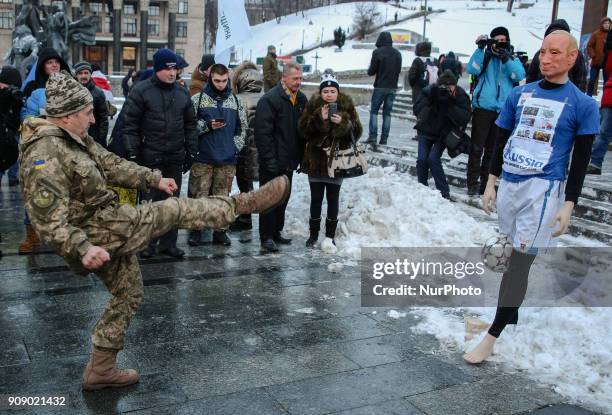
321 130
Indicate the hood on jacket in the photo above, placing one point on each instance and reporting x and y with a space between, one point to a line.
31 129
451 56
199 76
40 78
601 22
247 78
559 24
423 49
384 39
212 92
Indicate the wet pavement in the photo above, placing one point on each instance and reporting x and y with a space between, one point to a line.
232 331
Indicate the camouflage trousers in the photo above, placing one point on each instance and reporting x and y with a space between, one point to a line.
208 179
123 231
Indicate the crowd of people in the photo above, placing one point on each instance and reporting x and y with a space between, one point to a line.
238 123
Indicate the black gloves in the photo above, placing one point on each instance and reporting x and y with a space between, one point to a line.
444 95
189 160
481 41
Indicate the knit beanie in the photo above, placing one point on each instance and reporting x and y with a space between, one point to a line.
82 66
559 24
10 76
447 78
164 59
65 95
181 63
500 30
207 62
329 79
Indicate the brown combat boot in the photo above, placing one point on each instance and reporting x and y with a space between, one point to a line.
264 199
102 372
31 242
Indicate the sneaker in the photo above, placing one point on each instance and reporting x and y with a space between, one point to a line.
269 246
282 241
593 169
383 142
147 253
370 140
449 198
173 252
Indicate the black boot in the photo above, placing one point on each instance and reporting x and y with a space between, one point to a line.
330 229
315 226
195 237
221 238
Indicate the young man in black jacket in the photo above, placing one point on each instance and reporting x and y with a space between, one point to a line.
280 145
99 130
439 108
386 65
160 133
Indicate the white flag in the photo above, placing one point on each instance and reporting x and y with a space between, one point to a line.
232 29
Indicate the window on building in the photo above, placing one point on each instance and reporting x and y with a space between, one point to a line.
96 7
183 6
129 26
150 53
129 8
6 20
59 5
180 52
7 1
181 29
153 26
154 10
128 55
108 25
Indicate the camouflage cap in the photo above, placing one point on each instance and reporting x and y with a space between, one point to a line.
65 95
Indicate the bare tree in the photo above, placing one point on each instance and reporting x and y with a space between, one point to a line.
366 18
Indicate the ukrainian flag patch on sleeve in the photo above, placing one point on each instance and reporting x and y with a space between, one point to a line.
39 164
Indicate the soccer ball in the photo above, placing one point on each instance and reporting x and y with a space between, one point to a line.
496 253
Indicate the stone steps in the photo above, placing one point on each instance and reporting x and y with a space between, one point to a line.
592 216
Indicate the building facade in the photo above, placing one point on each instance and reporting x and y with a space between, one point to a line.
128 32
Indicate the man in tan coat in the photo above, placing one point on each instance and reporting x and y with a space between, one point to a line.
595 50
271 73
65 176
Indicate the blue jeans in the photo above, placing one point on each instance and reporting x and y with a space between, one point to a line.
592 75
600 147
384 97
428 158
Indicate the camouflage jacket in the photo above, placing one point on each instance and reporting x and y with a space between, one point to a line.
64 182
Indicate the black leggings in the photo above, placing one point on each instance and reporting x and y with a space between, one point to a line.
512 291
317 189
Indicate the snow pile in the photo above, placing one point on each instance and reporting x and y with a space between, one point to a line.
569 351
384 208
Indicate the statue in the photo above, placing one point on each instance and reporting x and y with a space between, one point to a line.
36 26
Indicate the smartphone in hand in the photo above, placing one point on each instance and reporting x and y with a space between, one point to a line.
333 109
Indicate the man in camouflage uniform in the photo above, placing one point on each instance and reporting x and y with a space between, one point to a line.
65 175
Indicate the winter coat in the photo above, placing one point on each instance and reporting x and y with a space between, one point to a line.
416 77
451 63
248 84
495 84
125 83
198 80
578 73
436 117
595 47
271 74
319 134
221 146
280 145
386 63
160 124
11 102
116 143
99 130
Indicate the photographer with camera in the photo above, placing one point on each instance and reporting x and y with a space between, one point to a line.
11 101
439 108
497 71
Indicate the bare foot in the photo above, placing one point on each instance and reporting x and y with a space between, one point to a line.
481 352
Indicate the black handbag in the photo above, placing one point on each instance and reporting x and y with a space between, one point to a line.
457 142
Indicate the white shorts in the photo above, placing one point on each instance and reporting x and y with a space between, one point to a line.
526 211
